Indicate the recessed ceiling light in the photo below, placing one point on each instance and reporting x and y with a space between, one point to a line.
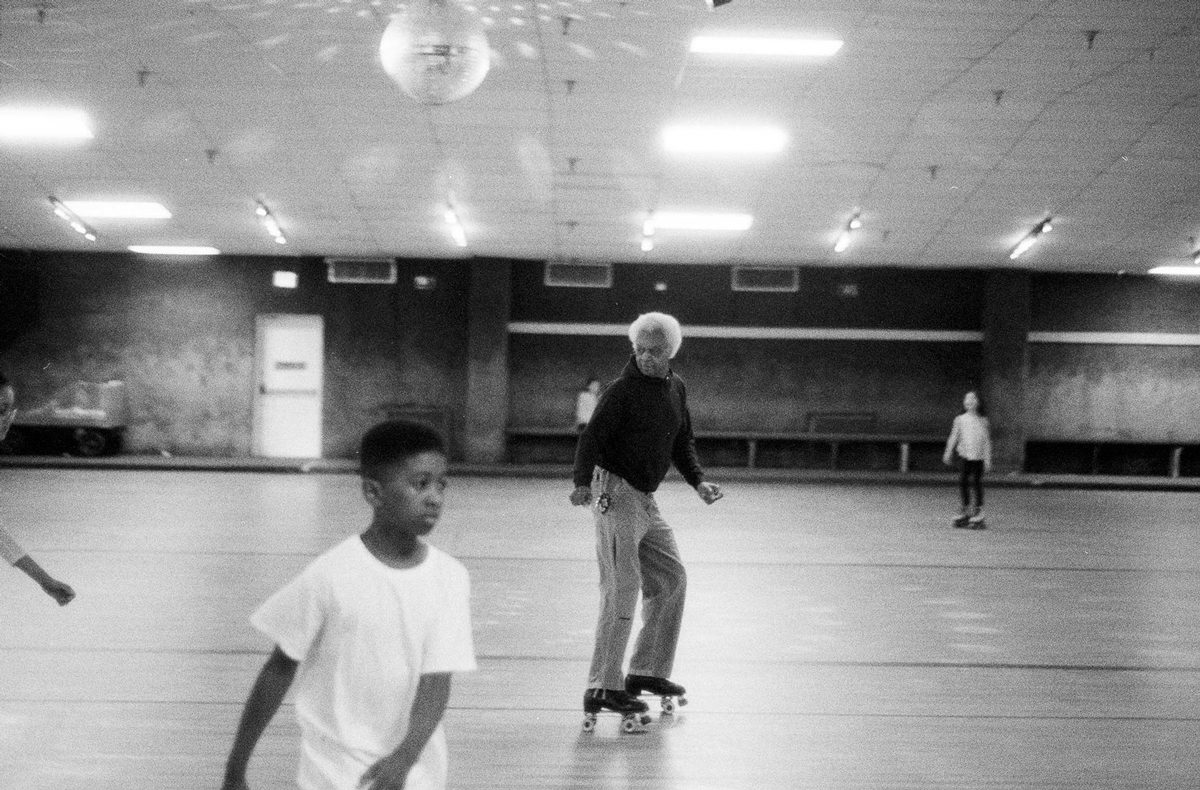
43 125
774 47
694 139
118 209
691 220
151 249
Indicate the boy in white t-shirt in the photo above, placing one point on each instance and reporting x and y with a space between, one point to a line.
371 632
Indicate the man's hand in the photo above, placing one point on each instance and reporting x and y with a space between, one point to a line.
582 495
387 774
709 492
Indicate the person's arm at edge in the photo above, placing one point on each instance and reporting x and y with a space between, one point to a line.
59 591
951 442
266 696
429 706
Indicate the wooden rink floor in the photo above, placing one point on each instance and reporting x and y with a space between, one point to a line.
837 635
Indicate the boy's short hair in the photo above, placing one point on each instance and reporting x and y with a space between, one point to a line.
393 442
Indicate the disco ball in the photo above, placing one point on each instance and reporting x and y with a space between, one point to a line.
435 51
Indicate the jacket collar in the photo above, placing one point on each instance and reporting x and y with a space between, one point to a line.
632 371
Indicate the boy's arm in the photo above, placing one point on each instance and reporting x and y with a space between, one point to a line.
269 690
57 590
433 693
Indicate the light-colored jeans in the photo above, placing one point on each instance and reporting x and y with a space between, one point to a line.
636 551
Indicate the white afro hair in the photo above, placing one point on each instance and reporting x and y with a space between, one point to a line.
658 324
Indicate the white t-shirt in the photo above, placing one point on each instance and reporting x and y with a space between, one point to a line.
969 436
364 633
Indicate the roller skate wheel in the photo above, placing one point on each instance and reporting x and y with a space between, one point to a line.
668 705
589 722
682 701
629 724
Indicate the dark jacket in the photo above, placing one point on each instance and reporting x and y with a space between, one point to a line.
640 426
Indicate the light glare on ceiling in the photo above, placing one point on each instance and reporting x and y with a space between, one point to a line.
116 209
775 47
43 125
1177 271
689 139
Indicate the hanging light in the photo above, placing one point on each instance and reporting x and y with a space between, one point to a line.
435 51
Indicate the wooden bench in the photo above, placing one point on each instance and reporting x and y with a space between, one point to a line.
832 445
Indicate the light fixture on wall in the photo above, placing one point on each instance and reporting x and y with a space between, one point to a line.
1031 238
72 219
845 237
435 51
285 279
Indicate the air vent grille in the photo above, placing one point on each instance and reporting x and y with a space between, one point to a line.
777 279
361 271
573 274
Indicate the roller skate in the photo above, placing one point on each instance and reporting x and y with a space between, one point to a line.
633 711
976 520
671 694
963 518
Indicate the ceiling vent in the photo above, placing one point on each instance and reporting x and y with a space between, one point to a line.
573 274
766 278
361 271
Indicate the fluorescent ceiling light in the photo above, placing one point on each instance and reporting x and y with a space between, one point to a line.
1177 271
775 47
118 209
43 125
724 139
150 249
689 220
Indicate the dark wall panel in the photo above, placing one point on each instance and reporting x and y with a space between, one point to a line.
701 295
760 385
1105 303
181 335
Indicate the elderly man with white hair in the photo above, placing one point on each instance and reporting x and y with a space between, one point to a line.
640 426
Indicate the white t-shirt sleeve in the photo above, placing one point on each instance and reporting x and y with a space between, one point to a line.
293 616
450 646
10 550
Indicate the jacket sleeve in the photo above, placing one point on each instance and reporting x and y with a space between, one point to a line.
683 453
605 421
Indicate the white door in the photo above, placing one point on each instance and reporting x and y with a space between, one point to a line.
289 362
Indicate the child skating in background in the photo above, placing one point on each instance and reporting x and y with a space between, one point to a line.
971 443
371 632
12 553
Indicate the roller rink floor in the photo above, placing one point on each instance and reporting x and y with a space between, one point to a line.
836 636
